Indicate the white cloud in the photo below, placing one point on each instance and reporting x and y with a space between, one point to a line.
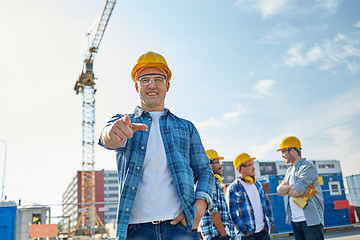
225 120
270 8
357 25
262 151
335 121
231 116
280 34
263 87
211 122
267 8
330 53
330 5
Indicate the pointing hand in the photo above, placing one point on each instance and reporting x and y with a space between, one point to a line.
113 136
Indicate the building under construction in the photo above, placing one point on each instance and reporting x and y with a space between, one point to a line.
106 201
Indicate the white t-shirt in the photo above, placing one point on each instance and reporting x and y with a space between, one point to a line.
255 201
156 197
297 213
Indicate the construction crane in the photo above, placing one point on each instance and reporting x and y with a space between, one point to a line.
89 222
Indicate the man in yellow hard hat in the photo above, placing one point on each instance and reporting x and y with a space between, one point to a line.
249 205
159 157
307 219
216 223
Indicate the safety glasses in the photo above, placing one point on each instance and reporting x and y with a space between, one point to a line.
145 80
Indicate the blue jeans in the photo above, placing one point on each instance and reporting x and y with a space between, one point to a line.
221 238
263 235
161 231
303 232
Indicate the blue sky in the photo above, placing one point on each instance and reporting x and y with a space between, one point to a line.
247 73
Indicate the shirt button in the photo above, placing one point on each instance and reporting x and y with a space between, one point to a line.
138 168
133 188
149 119
127 209
142 148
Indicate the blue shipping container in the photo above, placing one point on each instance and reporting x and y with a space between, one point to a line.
7 220
332 217
278 206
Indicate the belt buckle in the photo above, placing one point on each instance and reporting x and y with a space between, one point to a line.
157 222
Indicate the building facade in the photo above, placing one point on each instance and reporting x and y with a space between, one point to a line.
111 195
27 216
271 173
106 199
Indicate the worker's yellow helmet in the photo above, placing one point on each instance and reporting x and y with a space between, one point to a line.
241 158
213 155
151 59
290 142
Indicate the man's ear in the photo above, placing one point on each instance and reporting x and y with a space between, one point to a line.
291 152
136 87
167 86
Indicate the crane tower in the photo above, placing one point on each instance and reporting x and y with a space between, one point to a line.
88 221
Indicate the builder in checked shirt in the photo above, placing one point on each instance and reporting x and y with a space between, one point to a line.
160 158
249 204
216 223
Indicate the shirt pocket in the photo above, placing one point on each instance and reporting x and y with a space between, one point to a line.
181 137
240 197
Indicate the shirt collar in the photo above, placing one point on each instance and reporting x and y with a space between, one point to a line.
139 111
300 162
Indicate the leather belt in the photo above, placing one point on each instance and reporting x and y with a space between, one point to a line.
159 221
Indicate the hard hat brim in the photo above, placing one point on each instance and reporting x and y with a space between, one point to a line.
286 148
240 163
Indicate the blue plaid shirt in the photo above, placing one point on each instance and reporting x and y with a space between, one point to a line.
186 157
208 229
241 210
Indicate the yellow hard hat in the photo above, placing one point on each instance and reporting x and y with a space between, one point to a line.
289 142
150 59
213 155
241 158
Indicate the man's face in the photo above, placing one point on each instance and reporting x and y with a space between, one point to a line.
247 169
216 167
152 95
286 154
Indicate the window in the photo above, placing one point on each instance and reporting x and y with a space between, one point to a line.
36 218
326 166
228 175
110 174
111 181
111 195
334 188
267 168
282 166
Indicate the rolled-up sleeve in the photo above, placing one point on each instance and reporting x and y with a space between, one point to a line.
203 175
306 177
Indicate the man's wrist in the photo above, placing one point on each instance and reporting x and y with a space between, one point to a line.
201 205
